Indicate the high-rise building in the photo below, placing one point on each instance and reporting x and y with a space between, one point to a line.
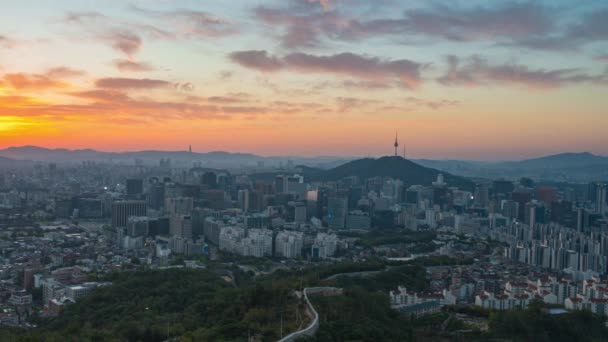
591 193
358 219
502 187
288 244
181 225
122 210
137 226
521 196
531 214
157 196
546 194
600 200
300 213
337 208
214 199
431 218
243 198
179 205
481 196
510 209
211 230
209 179
135 186
324 246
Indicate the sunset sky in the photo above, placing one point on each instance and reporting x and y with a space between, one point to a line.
457 79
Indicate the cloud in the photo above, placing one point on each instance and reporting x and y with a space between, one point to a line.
592 27
200 24
31 81
366 85
227 99
6 42
83 17
324 3
588 28
64 72
103 95
131 83
302 29
602 58
126 65
52 78
306 27
511 20
432 104
119 36
225 75
127 42
346 104
257 59
186 86
402 71
476 71
188 23
128 36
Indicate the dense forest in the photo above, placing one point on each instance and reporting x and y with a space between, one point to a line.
205 305
194 305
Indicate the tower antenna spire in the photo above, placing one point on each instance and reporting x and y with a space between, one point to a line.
396 144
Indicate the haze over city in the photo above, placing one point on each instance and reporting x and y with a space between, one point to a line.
459 80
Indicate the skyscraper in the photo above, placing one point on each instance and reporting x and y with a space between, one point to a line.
337 207
135 186
181 225
122 210
600 200
179 205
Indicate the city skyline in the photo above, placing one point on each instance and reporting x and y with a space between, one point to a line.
465 80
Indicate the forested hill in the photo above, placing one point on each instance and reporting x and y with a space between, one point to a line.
396 167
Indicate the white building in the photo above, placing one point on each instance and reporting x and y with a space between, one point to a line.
490 301
252 242
402 297
288 244
324 246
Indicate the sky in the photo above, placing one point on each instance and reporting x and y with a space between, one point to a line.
475 80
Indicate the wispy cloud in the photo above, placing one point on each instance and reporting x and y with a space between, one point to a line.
64 72
602 58
191 23
402 71
127 42
48 80
476 71
127 36
305 27
6 42
257 59
131 83
586 29
127 65
432 104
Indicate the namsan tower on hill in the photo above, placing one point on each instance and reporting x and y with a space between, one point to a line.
396 145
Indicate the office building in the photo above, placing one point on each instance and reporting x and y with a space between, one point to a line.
122 210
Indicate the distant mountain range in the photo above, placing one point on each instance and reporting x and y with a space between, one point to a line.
567 167
217 159
9 163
